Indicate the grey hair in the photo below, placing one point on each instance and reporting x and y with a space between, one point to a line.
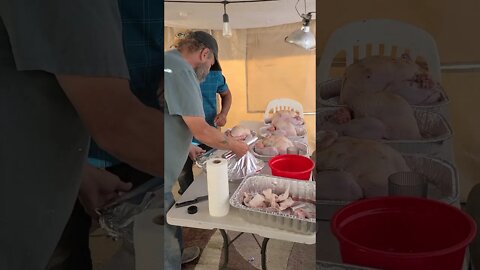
189 44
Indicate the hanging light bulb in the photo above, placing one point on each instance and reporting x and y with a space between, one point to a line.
303 37
227 30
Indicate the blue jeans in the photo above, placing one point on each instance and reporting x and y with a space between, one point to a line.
173 239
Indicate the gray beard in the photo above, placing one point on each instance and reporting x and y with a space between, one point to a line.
202 72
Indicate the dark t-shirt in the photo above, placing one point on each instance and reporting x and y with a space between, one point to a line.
43 143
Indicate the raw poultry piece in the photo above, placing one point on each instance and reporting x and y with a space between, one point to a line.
273 145
290 116
239 133
304 210
283 203
356 161
381 115
390 109
366 127
400 76
287 123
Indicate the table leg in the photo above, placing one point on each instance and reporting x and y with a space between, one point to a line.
264 253
225 249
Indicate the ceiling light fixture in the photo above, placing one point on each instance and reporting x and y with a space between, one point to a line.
227 30
303 37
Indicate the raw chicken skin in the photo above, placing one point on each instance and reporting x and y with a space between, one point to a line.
283 203
287 123
368 162
273 145
398 76
258 201
286 204
391 110
239 132
304 210
290 116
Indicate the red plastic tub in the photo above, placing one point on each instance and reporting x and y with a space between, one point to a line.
292 166
403 233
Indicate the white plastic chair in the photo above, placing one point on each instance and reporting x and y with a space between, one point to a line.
390 33
283 104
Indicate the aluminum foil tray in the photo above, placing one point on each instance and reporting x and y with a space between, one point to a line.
433 127
329 96
238 169
322 265
304 150
304 190
442 180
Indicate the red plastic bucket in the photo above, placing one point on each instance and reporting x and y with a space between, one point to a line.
292 166
403 233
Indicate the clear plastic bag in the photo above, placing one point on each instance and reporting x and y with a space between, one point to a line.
118 217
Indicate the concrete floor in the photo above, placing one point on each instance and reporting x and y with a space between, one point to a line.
102 248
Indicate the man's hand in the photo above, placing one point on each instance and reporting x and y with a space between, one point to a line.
98 188
213 137
220 120
240 148
195 151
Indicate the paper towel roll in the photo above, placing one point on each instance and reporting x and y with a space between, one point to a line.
217 184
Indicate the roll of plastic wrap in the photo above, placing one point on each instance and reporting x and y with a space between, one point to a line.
217 184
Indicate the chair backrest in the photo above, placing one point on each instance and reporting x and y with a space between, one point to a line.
283 104
389 33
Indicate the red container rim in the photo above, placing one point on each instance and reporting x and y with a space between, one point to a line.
292 156
463 244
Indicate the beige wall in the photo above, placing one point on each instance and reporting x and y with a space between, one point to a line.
453 24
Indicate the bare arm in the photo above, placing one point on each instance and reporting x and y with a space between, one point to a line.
226 98
213 137
117 120
221 118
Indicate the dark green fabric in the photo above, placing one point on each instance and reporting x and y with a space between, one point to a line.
43 143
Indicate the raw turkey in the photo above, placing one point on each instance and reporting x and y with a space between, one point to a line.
354 164
341 121
287 123
273 145
402 77
239 132
283 203
380 115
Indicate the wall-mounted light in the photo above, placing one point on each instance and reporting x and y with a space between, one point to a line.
227 30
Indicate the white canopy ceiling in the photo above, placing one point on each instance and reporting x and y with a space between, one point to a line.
242 15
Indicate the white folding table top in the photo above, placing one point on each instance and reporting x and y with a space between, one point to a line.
231 222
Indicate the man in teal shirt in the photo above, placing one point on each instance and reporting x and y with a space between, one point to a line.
185 66
213 85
